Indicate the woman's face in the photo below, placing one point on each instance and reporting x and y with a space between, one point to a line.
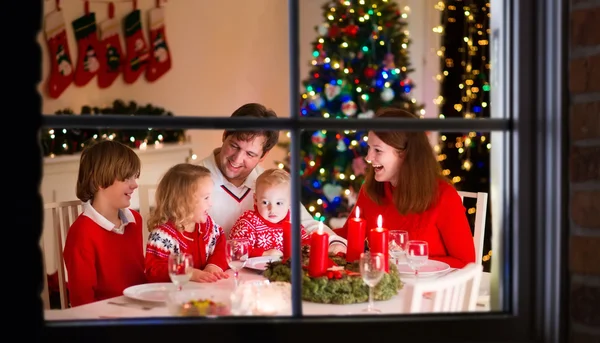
385 160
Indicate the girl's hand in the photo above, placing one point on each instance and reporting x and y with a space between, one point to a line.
216 271
203 276
273 252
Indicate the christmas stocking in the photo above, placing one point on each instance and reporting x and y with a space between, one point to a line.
110 48
88 61
136 47
160 57
61 67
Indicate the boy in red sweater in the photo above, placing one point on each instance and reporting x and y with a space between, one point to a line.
180 224
107 177
263 225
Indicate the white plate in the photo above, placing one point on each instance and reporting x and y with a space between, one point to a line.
432 267
260 262
154 292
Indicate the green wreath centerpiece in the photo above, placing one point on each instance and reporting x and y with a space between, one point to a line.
342 285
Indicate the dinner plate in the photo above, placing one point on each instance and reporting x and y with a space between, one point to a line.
260 262
432 267
154 292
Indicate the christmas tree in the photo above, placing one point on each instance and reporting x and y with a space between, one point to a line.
465 93
360 63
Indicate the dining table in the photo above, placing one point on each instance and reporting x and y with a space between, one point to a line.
125 306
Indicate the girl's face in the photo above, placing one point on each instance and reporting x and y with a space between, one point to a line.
272 202
203 199
385 160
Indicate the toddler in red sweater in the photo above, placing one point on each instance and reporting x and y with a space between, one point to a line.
263 225
180 224
107 177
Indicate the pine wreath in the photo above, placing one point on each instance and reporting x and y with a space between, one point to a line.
344 288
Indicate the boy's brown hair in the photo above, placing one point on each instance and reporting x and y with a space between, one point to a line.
174 195
101 164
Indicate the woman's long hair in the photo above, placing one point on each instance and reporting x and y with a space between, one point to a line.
418 177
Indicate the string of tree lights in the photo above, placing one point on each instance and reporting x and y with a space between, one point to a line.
60 141
360 62
465 92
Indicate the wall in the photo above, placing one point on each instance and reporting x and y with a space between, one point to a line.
218 66
584 160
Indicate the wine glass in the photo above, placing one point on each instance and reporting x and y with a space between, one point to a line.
236 251
417 254
180 269
397 244
371 270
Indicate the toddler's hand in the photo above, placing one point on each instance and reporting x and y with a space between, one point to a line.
203 276
216 271
273 252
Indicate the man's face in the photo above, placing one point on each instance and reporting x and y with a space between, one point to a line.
238 158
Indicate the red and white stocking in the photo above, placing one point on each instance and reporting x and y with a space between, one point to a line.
110 48
88 60
135 46
61 66
160 56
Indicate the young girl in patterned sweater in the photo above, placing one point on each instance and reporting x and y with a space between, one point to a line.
180 224
263 225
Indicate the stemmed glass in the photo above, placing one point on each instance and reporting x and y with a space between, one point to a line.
417 254
180 269
371 270
397 244
236 251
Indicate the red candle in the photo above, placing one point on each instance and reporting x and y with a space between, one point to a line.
378 242
287 239
356 237
317 258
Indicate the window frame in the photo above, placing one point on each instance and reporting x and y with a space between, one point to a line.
534 234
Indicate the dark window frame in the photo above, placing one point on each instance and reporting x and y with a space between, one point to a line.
534 234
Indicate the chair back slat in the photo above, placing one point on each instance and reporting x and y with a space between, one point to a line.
480 218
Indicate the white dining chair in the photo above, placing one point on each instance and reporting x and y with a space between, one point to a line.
480 216
63 214
456 291
146 200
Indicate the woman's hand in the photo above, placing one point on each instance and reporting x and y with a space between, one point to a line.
216 271
273 252
203 276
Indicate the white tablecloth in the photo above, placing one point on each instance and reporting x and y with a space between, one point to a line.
140 309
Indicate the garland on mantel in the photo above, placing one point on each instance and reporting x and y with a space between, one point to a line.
60 141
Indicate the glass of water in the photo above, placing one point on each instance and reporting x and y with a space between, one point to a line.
417 254
397 244
371 269
180 269
236 251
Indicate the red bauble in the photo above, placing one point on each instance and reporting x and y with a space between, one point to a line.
334 31
351 30
370 72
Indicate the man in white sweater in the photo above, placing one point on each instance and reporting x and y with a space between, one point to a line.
234 167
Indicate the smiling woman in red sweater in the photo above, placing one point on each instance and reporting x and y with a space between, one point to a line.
405 185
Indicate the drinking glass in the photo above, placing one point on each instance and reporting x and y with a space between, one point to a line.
180 269
236 251
397 244
371 270
417 254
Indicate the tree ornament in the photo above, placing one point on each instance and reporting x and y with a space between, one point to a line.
341 145
318 138
332 91
331 191
323 29
359 166
387 94
349 108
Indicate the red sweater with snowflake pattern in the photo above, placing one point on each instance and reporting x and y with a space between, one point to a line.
444 225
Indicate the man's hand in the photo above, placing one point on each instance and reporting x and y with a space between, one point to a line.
335 248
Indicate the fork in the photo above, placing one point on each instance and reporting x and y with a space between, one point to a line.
142 307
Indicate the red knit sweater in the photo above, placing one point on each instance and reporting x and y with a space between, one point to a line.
101 263
444 225
206 245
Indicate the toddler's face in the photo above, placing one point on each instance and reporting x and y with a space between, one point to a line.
273 202
203 199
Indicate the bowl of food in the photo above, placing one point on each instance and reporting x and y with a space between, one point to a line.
198 303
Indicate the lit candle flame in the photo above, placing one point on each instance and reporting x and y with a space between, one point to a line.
357 212
379 221
320 230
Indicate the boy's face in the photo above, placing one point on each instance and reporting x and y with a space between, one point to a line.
119 193
272 202
203 199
